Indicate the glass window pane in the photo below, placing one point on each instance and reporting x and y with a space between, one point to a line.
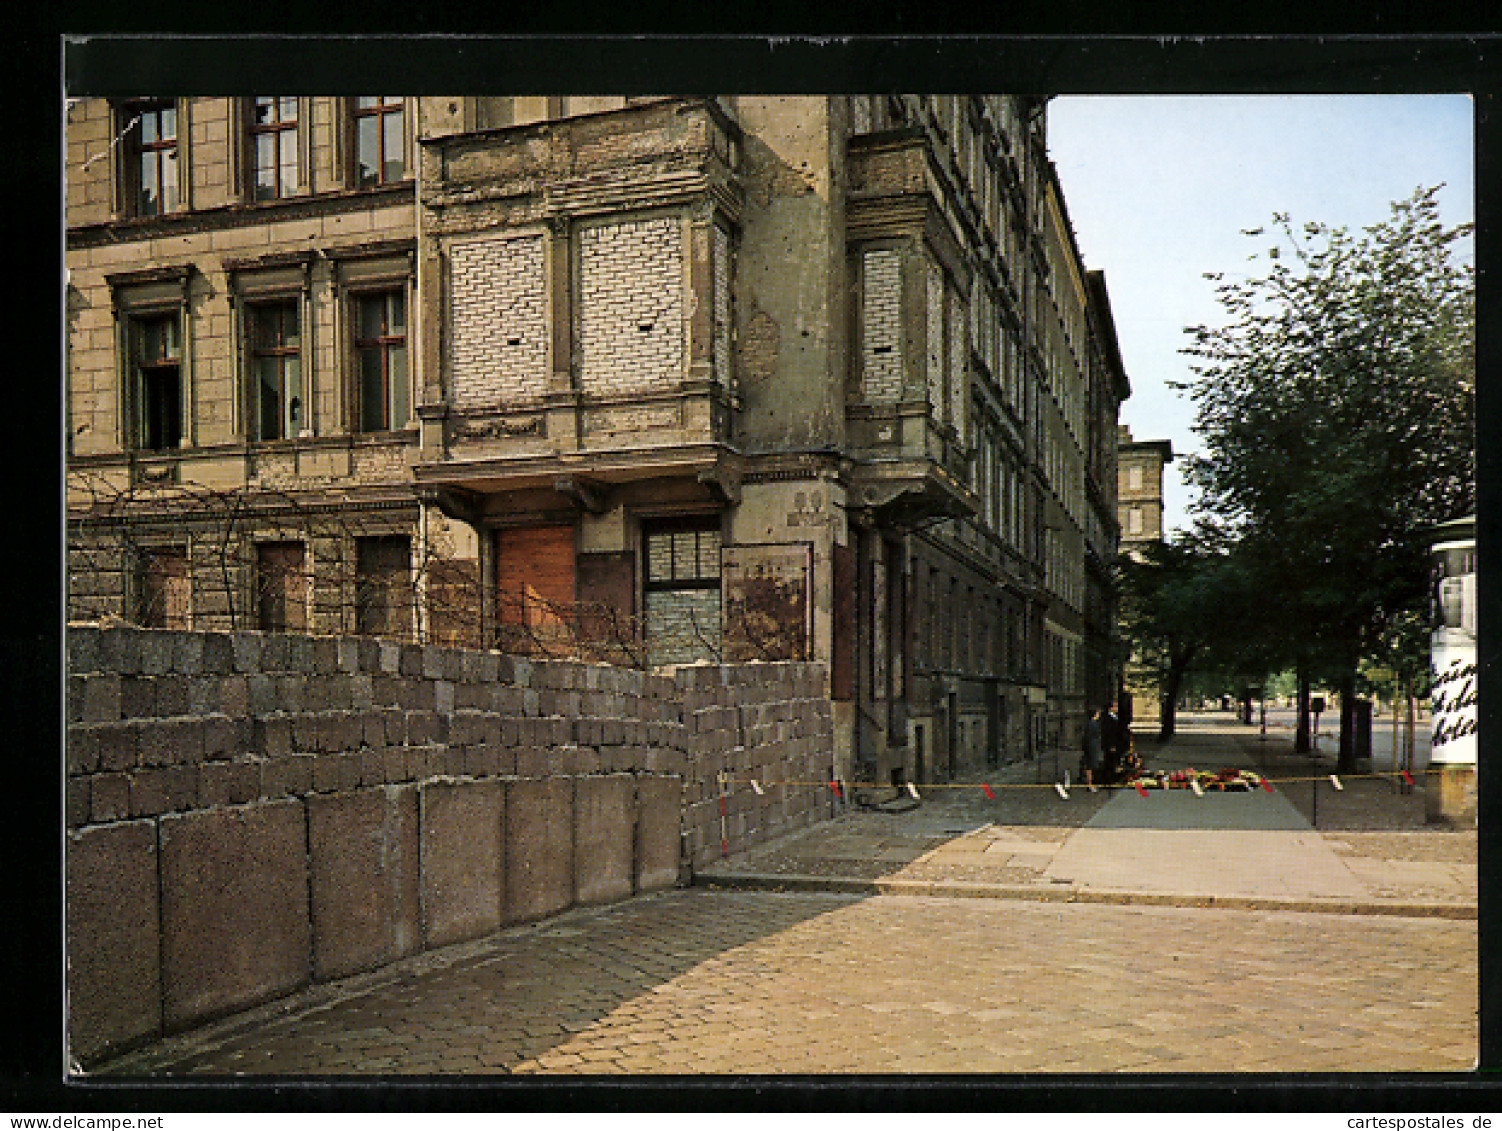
367 150
289 109
397 360
169 123
290 332
148 127
268 393
265 167
372 392
289 182
292 391
263 111
396 306
169 181
148 196
370 318
395 164
367 101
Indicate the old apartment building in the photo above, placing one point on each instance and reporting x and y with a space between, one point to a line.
1139 489
650 380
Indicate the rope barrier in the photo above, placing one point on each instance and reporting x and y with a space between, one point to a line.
840 787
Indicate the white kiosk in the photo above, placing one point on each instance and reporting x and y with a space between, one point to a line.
1451 785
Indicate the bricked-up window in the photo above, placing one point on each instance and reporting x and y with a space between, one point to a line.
383 585
156 382
272 147
149 169
381 360
275 346
380 140
281 596
162 587
681 572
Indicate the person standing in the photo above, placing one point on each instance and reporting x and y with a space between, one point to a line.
1113 740
1090 740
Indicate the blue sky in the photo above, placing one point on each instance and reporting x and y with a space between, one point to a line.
1160 188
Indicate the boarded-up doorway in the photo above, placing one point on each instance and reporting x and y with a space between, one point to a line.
281 587
535 594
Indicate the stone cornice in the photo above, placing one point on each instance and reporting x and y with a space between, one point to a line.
240 215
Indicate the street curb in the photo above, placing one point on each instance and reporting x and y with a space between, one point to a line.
958 889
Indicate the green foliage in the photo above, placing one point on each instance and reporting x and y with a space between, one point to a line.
1336 404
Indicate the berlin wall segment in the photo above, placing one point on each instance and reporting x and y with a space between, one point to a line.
252 813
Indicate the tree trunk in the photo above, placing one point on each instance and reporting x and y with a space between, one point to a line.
1173 679
1346 761
1301 743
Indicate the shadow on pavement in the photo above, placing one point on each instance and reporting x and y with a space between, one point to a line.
490 1006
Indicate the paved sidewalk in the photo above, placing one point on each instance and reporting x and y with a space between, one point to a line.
1249 850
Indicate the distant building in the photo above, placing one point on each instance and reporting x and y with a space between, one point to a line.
1139 508
1139 487
649 380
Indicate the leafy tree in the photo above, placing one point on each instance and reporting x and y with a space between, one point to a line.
1190 606
1336 405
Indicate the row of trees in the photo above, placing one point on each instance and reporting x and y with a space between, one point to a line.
1335 404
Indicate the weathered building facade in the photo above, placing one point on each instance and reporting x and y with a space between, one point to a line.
646 379
1139 491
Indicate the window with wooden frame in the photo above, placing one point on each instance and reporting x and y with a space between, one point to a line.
155 394
149 165
380 148
272 148
380 359
274 350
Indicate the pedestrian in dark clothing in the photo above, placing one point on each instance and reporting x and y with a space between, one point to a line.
1090 740
1114 740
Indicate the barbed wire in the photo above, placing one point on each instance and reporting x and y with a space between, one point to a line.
170 555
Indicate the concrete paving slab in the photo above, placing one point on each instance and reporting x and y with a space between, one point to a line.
1228 844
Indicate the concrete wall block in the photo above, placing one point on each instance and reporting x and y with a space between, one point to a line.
463 876
83 649
228 783
82 750
235 922
219 735
604 838
218 656
365 881
156 649
187 653
288 776
118 745
291 692
113 940
247 652
412 658
119 650
539 847
102 698
109 797
163 789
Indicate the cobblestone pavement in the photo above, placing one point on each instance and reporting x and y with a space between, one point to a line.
696 981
